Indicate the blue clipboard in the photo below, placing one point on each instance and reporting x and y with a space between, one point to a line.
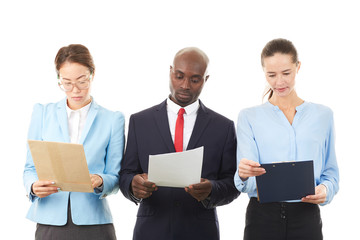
286 181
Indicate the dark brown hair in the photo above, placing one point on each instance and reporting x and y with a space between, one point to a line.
282 46
74 53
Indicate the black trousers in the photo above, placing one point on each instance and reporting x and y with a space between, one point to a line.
282 221
70 231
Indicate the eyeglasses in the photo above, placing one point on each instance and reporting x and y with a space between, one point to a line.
82 83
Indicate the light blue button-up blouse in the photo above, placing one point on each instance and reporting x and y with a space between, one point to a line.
265 135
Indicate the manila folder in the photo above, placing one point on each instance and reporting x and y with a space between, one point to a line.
63 163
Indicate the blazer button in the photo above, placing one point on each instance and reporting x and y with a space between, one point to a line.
177 203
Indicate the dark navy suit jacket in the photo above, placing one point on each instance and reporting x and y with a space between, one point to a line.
172 213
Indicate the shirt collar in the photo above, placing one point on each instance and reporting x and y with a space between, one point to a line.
82 110
298 108
189 109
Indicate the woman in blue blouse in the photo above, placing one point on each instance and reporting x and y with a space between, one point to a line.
285 128
76 119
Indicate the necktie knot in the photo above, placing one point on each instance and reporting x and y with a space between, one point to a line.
181 111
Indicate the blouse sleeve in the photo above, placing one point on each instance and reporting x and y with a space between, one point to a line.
330 173
246 148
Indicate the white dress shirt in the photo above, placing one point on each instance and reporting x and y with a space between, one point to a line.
189 123
189 119
76 122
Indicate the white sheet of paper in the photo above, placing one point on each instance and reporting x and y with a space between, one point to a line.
179 169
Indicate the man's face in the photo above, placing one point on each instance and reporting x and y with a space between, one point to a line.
187 78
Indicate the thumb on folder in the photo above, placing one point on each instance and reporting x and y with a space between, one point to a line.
319 197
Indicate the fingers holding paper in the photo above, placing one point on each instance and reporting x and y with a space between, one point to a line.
44 188
319 197
141 187
249 168
201 190
96 180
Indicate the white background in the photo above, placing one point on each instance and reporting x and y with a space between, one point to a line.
133 44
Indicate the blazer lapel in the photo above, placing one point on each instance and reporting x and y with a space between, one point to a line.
201 123
94 108
63 119
162 122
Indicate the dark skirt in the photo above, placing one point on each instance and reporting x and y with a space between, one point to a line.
290 221
70 231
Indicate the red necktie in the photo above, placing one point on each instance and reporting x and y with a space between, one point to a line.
179 131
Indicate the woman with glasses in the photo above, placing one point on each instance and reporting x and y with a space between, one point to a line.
285 128
76 119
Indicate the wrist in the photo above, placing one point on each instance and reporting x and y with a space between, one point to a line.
31 190
101 180
243 179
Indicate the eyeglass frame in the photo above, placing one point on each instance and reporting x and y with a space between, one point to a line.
61 86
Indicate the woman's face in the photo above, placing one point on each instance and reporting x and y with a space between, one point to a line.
76 76
280 73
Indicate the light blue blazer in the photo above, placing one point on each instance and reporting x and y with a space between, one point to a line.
103 141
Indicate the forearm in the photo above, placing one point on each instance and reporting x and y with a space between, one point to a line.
223 192
110 185
125 185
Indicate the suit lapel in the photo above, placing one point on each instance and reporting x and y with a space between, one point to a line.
63 120
201 123
162 123
94 108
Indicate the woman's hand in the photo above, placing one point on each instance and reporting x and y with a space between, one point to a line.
96 180
44 188
249 168
319 197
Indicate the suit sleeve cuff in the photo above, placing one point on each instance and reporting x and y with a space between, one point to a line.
206 202
135 199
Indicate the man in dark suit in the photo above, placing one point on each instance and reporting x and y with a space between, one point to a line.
167 213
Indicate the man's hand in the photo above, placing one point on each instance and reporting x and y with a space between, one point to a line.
141 187
44 188
319 197
201 190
